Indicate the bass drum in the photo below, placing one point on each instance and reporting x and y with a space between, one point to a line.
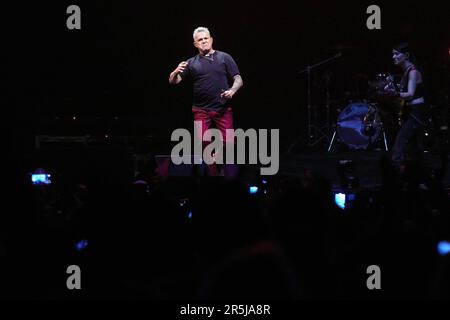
359 125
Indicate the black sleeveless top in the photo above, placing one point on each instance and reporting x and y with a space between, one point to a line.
420 90
418 111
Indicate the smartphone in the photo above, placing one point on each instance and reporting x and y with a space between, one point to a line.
41 178
344 200
253 189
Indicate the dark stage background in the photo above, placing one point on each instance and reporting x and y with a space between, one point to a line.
109 80
112 74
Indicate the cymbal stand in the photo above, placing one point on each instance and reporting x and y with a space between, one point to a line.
315 133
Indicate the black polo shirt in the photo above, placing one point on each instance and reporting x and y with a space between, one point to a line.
211 75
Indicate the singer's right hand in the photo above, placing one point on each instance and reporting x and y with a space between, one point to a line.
181 67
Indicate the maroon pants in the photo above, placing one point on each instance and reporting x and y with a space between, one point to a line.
222 120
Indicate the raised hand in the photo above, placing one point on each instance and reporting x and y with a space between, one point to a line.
181 66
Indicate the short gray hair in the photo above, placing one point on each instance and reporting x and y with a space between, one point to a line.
200 29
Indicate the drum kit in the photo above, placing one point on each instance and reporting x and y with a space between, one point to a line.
360 125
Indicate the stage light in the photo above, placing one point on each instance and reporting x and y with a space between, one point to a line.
190 215
443 248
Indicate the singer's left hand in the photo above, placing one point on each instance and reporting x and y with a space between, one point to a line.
228 94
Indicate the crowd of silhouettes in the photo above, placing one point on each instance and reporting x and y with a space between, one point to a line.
209 238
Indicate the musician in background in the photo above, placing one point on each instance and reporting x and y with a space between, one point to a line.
413 111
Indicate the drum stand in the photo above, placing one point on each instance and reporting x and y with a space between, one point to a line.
369 114
315 133
370 137
332 140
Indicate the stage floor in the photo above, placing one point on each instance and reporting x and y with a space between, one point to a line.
366 165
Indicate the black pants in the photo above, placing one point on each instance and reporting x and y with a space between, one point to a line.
408 143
